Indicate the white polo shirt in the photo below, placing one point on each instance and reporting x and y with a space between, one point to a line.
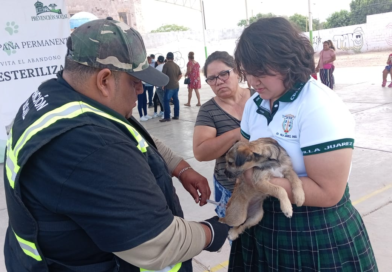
308 119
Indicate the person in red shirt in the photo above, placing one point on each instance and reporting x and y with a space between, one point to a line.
193 72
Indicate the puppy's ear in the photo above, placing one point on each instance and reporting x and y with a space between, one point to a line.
242 157
275 151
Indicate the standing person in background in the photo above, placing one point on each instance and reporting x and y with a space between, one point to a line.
142 105
387 70
158 96
324 66
159 89
217 125
149 87
153 62
330 43
156 104
173 71
193 72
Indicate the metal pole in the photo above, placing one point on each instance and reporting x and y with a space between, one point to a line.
306 23
246 12
203 19
310 22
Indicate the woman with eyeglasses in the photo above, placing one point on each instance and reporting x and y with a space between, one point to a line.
316 129
217 125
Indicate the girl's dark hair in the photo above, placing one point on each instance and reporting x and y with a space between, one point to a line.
274 45
191 55
221 56
331 45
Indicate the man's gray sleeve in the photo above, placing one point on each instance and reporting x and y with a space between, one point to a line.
171 158
180 241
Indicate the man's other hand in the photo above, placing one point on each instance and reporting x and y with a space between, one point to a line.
196 185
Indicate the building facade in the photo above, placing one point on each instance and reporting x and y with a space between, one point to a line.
127 11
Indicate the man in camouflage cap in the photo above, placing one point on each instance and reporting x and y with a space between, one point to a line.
116 46
87 188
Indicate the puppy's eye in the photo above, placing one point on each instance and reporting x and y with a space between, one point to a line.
249 158
257 156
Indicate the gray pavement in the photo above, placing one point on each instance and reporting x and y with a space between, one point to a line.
370 179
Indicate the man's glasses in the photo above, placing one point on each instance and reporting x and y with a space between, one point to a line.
224 75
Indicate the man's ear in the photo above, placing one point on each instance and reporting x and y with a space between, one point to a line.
105 82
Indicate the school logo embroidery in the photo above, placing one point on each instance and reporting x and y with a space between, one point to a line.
288 121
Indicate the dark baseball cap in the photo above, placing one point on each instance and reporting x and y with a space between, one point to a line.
106 43
161 59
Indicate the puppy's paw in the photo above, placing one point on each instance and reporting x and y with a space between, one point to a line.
288 214
233 234
299 196
287 209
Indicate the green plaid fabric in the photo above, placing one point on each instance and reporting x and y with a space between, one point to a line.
314 239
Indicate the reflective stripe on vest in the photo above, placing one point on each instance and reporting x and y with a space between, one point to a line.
28 248
171 268
67 111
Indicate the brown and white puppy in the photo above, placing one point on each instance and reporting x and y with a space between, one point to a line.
268 159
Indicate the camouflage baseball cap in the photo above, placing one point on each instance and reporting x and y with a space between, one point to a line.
106 43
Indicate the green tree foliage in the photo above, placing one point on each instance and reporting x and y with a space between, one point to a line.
255 18
361 8
169 28
338 19
300 21
317 25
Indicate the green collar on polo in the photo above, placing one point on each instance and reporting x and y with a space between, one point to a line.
289 96
293 93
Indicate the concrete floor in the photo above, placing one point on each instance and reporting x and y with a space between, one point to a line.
370 180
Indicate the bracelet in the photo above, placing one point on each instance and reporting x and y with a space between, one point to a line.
182 171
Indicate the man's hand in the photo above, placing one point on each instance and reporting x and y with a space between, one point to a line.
216 233
196 185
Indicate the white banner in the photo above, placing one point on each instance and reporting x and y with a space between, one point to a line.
33 37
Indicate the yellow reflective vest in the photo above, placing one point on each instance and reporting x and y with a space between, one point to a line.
22 252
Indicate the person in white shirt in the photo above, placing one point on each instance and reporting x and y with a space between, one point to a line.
153 62
316 129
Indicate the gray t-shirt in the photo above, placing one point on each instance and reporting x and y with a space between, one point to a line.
211 115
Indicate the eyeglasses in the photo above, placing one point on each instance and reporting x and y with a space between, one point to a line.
224 75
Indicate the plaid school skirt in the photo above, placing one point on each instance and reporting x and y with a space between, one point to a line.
314 239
